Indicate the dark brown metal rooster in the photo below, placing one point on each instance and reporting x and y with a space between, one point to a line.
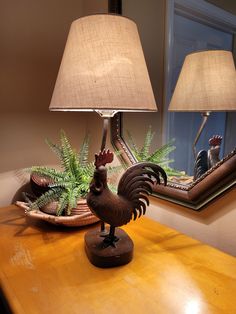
214 151
207 159
130 201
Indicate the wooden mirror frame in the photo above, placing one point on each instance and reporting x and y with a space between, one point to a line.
196 195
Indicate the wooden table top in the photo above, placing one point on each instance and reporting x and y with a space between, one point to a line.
44 269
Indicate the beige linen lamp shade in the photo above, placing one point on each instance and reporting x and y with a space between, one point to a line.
207 82
103 68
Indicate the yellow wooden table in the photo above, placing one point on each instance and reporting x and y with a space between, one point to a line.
44 269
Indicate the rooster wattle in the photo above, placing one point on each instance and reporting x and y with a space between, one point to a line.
130 200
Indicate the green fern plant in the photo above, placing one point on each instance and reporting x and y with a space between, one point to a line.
70 184
159 156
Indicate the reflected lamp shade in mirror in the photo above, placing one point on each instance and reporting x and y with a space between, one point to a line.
207 82
103 68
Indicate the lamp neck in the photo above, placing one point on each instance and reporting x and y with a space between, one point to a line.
103 145
205 116
104 132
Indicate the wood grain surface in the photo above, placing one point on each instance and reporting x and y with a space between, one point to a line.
44 269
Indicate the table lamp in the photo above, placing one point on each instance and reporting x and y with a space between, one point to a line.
207 82
103 69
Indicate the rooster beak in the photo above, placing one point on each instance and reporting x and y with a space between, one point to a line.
98 189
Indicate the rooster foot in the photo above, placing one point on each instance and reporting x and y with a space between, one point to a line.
110 241
104 234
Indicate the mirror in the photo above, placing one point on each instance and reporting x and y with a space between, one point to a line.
194 195
212 28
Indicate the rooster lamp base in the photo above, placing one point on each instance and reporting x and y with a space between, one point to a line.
104 256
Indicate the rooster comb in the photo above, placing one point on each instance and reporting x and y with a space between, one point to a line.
215 140
103 158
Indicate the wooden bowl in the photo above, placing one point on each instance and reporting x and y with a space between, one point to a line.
80 216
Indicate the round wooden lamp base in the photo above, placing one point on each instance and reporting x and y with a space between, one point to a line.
110 256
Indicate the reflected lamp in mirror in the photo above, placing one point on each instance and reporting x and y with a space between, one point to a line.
207 82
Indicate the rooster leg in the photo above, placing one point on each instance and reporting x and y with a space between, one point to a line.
110 239
103 231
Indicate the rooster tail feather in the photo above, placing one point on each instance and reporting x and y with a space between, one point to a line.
138 191
130 173
138 194
140 172
135 214
141 208
145 186
143 197
137 182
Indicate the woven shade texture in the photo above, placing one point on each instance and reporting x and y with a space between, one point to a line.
103 67
207 82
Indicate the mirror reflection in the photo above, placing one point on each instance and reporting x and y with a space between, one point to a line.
173 150
145 149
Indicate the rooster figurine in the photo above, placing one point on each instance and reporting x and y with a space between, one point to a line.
207 159
131 199
214 151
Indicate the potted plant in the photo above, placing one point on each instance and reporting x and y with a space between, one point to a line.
64 190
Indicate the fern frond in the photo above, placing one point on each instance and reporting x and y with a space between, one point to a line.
67 152
89 168
76 195
62 203
112 187
51 173
162 152
55 148
46 198
117 152
74 165
62 184
114 169
144 153
86 173
173 172
73 196
83 189
163 162
133 145
84 151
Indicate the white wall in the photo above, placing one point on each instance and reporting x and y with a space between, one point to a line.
33 36
214 225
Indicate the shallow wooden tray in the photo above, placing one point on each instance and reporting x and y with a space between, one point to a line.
81 217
